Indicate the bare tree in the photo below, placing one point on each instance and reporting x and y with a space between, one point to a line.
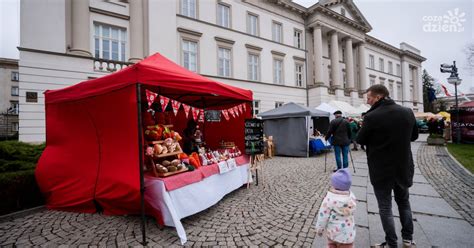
470 57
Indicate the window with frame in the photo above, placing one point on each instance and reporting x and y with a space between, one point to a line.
399 70
278 71
298 37
15 107
399 91
277 34
390 67
412 95
371 62
343 55
372 81
109 42
253 67
344 79
223 15
299 74
15 91
390 89
381 64
190 55
15 76
278 104
224 64
188 8
252 24
329 49
382 81
15 126
256 107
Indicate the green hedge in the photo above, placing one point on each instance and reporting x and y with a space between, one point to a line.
18 187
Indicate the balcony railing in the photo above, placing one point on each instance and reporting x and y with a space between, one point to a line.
105 65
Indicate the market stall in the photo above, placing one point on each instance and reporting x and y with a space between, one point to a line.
291 125
102 133
465 124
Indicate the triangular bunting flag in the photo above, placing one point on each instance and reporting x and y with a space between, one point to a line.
231 111
244 106
226 114
164 102
236 110
195 113
201 116
150 97
240 108
175 105
186 109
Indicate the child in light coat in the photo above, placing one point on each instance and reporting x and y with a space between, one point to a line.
336 214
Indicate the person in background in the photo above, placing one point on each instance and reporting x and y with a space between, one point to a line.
340 133
387 132
189 142
361 122
354 127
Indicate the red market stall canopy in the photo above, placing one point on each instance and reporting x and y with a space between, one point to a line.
92 155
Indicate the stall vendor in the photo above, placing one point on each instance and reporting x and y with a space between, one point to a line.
189 139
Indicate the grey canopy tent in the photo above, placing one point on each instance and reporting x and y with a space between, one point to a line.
291 125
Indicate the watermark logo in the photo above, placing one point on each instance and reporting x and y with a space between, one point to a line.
450 22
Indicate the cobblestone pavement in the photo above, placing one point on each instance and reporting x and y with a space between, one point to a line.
278 212
452 182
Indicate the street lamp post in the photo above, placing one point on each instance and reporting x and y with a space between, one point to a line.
454 79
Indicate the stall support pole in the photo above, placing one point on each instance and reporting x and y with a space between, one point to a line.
140 163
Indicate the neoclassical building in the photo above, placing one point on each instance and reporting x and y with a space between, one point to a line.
280 50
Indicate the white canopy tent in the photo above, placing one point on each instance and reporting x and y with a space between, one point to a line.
346 109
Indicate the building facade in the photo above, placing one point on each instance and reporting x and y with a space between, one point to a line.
280 50
9 97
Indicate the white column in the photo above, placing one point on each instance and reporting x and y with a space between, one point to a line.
405 83
349 64
335 69
415 84
318 56
136 31
362 71
419 81
80 44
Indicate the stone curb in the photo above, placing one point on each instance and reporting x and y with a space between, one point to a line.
457 162
22 213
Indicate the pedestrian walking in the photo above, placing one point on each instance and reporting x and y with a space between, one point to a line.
339 131
387 133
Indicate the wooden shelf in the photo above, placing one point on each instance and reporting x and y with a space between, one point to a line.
168 126
167 174
156 142
168 154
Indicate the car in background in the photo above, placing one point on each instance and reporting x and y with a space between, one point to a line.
422 127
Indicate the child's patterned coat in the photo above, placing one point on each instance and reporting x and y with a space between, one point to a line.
336 216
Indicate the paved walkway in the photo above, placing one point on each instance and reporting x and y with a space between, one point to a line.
436 221
279 212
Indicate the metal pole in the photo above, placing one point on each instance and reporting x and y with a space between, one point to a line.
458 131
352 160
140 163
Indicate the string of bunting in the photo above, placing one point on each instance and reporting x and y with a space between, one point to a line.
197 113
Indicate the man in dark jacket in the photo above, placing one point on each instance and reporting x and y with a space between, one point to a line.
340 132
387 132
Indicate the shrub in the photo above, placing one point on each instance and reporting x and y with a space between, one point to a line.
18 187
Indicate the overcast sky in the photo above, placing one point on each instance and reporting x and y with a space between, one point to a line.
410 21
